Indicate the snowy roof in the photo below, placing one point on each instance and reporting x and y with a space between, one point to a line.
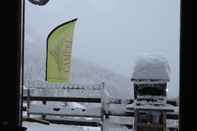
151 68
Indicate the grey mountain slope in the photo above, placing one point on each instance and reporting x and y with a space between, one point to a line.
87 72
82 72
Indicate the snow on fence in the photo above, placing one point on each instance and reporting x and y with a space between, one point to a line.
89 116
77 115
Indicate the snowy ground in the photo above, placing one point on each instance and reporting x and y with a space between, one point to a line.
58 127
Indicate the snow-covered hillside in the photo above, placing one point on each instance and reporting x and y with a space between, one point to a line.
82 72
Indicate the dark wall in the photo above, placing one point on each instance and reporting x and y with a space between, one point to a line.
10 71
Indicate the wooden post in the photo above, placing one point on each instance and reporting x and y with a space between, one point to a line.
102 107
44 102
164 121
135 120
28 102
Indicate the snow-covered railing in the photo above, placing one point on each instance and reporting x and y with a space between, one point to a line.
39 88
108 107
46 93
63 92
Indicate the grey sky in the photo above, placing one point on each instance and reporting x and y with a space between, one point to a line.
112 33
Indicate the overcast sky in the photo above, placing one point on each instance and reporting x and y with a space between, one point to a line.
112 33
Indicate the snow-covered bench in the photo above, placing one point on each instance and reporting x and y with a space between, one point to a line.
63 101
47 97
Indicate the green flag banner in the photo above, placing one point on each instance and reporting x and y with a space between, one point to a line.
59 48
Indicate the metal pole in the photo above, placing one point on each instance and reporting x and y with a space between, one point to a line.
21 61
102 108
28 102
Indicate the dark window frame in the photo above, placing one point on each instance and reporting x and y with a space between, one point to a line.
186 88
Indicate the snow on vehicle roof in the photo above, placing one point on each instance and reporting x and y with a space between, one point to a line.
151 67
